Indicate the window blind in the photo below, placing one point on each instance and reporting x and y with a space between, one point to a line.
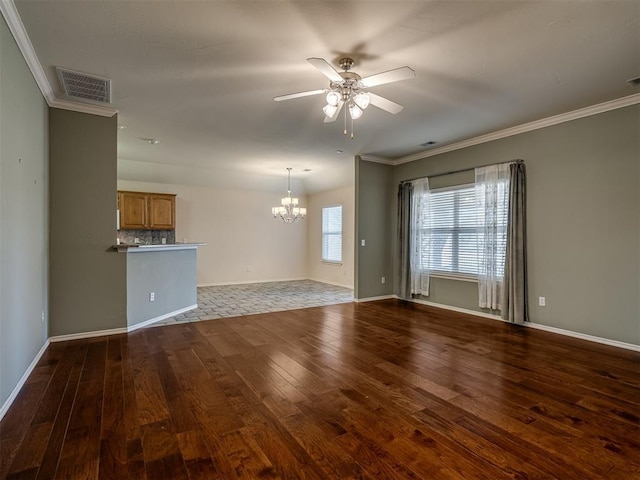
452 230
332 234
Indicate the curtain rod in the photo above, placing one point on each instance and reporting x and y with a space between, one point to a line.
458 171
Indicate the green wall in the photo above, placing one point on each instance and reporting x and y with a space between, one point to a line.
87 280
583 200
374 188
23 216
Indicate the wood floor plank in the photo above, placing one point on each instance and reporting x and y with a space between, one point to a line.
113 439
51 458
32 449
382 390
80 452
196 455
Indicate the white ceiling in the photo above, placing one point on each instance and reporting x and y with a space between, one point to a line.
201 76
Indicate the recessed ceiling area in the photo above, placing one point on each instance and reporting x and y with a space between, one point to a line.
201 76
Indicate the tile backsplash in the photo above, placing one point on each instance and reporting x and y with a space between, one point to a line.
147 237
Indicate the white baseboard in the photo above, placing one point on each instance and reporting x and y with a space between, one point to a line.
537 326
584 336
350 287
117 331
458 309
221 284
373 299
14 393
146 323
81 335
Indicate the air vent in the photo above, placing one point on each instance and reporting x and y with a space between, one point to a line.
82 85
634 81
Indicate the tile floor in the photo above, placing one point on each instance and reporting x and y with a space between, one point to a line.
246 299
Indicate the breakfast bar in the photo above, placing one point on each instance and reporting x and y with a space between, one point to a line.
161 281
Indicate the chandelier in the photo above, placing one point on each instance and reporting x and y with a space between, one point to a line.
289 211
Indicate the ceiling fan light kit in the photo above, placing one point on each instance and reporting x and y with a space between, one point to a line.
349 88
333 98
330 110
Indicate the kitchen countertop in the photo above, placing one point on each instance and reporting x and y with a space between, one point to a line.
138 247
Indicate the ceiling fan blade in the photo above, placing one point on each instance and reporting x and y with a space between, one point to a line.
395 75
384 104
298 95
325 68
335 115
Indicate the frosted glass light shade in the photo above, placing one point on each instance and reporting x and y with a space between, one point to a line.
355 111
330 110
362 100
333 98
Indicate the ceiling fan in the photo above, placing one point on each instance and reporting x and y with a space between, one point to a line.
350 89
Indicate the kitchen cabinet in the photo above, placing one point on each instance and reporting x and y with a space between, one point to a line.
162 211
147 211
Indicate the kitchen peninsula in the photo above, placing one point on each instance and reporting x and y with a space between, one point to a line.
161 274
161 281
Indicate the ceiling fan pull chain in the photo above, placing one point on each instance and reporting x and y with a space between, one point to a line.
352 135
345 120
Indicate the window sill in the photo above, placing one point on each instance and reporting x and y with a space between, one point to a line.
329 262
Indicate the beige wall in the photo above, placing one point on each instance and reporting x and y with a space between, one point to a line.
244 242
325 272
23 216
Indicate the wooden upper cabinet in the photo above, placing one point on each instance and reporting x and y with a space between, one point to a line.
133 210
147 211
162 211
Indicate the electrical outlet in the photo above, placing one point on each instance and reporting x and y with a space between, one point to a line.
152 297
383 280
542 301
42 316
362 242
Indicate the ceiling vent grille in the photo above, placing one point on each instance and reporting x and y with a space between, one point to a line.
82 85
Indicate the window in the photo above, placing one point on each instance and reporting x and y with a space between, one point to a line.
454 228
332 234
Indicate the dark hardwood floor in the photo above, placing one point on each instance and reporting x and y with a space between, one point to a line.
375 390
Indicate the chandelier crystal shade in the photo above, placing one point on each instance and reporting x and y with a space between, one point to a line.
289 211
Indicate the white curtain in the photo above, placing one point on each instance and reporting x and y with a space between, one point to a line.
419 241
492 207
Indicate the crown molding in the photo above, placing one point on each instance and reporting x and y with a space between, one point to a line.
527 127
16 27
83 107
376 159
12 17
